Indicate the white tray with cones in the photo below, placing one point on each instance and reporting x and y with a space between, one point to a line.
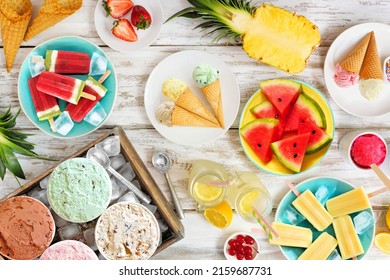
192 129
363 54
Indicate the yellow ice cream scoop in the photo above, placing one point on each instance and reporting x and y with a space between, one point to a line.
173 88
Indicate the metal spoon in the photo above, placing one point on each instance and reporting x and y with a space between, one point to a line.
162 163
101 157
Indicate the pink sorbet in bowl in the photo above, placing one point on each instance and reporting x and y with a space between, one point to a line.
368 149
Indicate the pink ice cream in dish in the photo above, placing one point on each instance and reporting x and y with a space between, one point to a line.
344 78
368 149
69 250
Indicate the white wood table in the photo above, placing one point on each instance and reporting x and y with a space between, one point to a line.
203 241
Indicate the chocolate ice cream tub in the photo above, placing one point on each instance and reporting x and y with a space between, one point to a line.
26 228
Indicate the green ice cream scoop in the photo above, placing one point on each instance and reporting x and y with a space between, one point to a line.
204 75
79 190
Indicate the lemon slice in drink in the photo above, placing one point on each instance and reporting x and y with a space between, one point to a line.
382 242
206 193
247 201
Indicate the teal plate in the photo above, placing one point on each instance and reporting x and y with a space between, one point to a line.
313 184
68 43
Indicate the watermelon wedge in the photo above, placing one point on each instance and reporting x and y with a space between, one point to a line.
281 93
305 107
291 151
266 110
318 138
259 134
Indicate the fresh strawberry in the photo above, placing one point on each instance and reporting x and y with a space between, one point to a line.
117 8
123 30
140 17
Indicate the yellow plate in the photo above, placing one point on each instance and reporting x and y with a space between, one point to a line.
274 166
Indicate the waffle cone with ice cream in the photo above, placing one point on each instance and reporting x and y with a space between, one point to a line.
171 115
347 71
14 17
179 93
50 13
207 79
371 82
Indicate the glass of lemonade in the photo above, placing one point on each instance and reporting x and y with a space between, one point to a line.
251 193
208 183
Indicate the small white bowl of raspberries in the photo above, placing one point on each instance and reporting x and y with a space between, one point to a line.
241 246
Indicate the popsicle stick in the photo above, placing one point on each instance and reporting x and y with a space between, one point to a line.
381 175
293 189
51 122
104 76
379 191
88 96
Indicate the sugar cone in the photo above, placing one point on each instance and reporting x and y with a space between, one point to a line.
182 117
371 68
213 95
353 62
189 101
50 13
14 17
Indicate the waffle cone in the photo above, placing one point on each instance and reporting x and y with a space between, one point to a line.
213 95
189 101
14 17
50 13
182 117
371 68
353 62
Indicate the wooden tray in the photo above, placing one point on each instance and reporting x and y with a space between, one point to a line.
175 230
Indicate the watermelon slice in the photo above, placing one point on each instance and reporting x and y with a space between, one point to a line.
281 93
305 107
266 110
259 134
291 151
318 138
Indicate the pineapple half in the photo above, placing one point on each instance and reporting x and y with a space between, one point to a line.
269 34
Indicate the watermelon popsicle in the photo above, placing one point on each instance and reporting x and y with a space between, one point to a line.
67 62
63 87
45 105
84 106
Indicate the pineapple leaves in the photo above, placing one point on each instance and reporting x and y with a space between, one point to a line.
11 162
11 142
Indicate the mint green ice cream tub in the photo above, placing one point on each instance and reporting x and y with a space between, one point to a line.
79 190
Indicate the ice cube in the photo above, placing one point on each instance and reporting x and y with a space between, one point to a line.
63 124
127 172
60 222
44 182
69 231
40 195
117 190
136 183
96 116
334 255
323 193
98 64
36 64
89 237
363 222
117 161
111 146
163 226
129 197
292 216
151 207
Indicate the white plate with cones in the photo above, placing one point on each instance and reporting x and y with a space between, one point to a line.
180 65
350 98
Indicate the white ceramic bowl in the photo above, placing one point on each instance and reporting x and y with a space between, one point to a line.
255 245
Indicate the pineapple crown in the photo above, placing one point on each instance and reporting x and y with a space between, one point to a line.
218 15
